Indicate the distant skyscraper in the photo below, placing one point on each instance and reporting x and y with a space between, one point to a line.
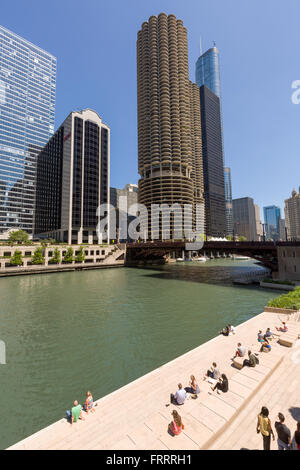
213 165
169 127
208 71
73 179
282 230
123 200
271 218
27 107
259 226
228 201
244 220
292 216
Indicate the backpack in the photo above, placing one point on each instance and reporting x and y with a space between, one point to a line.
256 360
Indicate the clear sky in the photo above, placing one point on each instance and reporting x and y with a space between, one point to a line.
259 42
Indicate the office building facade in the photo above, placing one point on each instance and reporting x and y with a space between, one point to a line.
73 171
228 201
259 225
244 220
27 109
124 201
213 165
292 216
282 230
169 127
271 218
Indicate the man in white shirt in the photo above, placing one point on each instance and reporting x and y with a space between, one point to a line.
240 352
179 397
231 330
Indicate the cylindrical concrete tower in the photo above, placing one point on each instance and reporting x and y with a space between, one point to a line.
169 120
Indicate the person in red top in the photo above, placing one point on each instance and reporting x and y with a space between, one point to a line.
176 426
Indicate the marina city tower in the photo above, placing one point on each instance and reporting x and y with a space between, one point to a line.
169 121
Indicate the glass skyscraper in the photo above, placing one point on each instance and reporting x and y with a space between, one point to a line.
208 71
27 108
272 216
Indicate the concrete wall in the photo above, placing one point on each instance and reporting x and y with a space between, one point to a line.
94 254
289 263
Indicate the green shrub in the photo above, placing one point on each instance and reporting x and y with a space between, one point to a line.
56 258
16 259
290 300
68 258
80 257
38 256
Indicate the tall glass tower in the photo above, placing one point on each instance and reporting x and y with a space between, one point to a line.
27 107
208 71
272 216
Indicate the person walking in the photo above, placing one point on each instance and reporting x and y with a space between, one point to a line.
296 438
283 434
264 427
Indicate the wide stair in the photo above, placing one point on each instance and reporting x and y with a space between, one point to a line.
115 256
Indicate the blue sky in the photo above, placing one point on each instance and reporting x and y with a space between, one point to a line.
259 42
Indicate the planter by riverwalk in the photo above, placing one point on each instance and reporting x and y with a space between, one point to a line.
279 310
276 285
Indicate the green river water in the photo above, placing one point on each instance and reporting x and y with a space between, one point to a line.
67 333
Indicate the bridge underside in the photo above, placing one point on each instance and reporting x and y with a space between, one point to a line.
158 252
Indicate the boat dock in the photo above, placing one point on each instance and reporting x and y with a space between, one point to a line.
136 417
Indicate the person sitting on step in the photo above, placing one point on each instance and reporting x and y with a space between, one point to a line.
282 328
179 397
193 386
176 426
222 385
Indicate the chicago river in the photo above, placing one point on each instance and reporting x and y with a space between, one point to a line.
67 333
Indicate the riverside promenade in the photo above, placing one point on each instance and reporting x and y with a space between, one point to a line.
136 417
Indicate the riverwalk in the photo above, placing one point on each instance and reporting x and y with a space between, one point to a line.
136 416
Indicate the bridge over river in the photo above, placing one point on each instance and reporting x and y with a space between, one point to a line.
158 251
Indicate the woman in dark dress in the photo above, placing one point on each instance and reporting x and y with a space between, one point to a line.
222 385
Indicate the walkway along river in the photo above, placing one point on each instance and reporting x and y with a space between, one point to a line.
67 333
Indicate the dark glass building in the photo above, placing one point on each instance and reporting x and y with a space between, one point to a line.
213 166
73 179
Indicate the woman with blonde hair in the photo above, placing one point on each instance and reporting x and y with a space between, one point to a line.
89 403
176 426
194 387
